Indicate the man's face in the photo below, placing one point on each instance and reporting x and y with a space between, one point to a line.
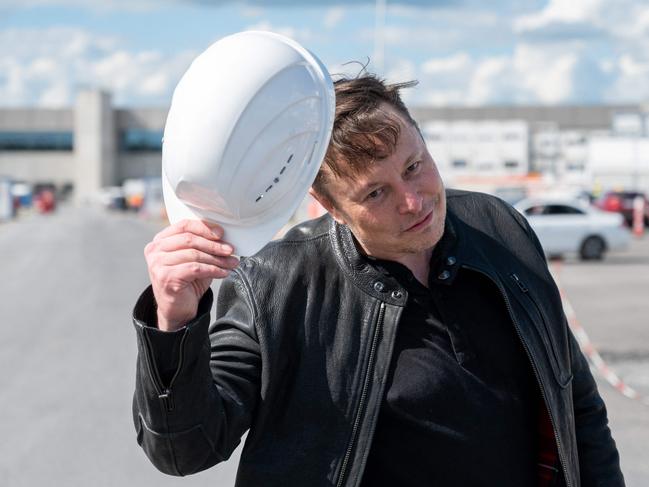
397 205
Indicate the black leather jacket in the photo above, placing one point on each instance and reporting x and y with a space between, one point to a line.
301 346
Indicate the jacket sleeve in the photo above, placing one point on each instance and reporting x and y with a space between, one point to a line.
599 462
196 388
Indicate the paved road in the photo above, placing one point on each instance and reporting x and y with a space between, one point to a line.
67 350
611 301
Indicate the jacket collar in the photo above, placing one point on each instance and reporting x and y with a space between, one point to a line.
444 262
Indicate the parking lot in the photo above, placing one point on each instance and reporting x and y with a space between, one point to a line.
67 349
611 302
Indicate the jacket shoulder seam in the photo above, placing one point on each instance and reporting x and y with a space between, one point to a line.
293 241
245 283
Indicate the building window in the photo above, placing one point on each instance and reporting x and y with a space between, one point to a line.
575 166
459 163
511 164
139 140
36 141
485 166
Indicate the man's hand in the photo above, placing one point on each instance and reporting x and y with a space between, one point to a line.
182 260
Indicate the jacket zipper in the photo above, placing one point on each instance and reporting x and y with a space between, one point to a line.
164 393
531 359
361 404
527 293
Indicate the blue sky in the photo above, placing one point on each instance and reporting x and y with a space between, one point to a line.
463 53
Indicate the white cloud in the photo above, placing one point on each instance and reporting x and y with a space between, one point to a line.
42 67
449 15
96 5
56 94
401 70
444 30
155 84
562 11
333 17
621 19
607 65
629 87
448 64
303 34
444 97
486 80
403 35
251 11
620 59
631 67
45 67
346 70
548 76
531 74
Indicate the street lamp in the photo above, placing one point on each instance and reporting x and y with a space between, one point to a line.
379 35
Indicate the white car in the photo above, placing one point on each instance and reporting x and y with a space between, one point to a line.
566 226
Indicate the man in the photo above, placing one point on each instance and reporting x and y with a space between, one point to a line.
413 336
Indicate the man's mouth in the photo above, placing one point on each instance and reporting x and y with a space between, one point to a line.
421 223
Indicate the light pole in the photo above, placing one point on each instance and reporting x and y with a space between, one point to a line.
379 35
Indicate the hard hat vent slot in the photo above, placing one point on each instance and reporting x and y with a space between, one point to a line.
275 179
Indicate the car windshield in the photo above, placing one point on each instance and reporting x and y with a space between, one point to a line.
553 209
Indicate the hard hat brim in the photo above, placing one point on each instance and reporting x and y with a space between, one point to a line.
246 240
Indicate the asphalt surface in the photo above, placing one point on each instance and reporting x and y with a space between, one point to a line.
611 302
67 350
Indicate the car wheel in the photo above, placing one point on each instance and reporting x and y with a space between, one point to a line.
592 248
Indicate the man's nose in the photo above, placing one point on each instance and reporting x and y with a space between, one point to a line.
411 201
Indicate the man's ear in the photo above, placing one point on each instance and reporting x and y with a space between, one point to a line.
327 205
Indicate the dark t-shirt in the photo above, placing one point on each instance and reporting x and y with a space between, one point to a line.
461 401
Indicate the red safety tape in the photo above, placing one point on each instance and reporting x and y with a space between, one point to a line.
587 347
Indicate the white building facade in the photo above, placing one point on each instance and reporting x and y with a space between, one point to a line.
93 144
490 147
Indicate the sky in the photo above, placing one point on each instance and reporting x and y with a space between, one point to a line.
466 52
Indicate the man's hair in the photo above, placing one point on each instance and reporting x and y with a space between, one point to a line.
362 132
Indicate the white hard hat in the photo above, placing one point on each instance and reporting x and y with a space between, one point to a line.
246 133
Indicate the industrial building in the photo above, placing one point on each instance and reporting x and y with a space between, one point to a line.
94 145
88 147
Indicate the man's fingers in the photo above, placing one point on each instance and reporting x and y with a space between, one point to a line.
181 241
193 255
205 229
189 272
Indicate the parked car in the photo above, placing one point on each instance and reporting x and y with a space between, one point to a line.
6 199
134 190
23 194
45 201
622 202
567 226
112 198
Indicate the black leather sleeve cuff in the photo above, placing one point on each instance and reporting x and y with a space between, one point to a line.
165 345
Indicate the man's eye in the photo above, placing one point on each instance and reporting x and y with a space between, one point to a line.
374 194
413 167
